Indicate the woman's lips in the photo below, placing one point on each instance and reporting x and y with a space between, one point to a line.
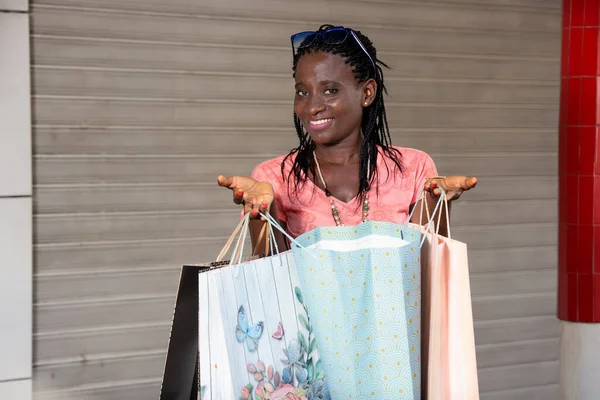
320 124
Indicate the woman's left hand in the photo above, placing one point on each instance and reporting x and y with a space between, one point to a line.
454 186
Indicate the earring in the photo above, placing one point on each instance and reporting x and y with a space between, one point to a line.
366 102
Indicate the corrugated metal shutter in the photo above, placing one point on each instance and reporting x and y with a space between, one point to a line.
138 105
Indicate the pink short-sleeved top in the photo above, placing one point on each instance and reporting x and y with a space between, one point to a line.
310 208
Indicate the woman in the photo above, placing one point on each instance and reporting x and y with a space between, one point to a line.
344 170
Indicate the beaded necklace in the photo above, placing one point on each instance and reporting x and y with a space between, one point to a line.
334 211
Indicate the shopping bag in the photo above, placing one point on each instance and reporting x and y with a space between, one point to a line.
361 287
181 373
449 359
240 330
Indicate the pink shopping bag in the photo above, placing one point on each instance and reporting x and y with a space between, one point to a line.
449 366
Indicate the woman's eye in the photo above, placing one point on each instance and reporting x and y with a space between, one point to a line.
301 92
331 91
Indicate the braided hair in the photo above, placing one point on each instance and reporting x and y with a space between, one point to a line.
375 129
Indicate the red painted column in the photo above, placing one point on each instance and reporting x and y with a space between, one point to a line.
579 164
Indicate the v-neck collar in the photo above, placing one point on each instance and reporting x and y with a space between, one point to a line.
338 201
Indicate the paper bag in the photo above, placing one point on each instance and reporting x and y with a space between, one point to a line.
240 330
362 290
449 359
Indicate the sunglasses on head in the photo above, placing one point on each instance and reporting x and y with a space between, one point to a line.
334 36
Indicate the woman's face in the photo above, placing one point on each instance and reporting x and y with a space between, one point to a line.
329 100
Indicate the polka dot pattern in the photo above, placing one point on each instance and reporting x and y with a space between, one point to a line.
365 305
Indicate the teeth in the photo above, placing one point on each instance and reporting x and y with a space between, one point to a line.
321 121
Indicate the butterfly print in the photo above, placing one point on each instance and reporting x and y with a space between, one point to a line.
279 334
246 332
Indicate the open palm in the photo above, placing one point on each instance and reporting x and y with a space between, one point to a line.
254 195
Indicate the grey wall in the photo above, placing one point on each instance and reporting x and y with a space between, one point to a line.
138 105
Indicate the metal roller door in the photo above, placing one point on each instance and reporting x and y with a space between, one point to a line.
138 105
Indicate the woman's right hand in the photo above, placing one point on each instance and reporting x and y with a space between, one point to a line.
254 195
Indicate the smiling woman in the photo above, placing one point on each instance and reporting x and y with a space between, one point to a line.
345 169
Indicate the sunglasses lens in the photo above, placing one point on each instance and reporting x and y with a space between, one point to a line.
335 35
303 39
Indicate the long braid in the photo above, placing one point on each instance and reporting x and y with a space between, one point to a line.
303 162
375 129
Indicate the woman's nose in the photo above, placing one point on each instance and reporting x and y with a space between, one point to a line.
316 105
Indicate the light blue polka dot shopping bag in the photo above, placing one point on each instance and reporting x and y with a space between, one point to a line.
362 290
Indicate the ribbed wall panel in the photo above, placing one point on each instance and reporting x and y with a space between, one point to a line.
139 104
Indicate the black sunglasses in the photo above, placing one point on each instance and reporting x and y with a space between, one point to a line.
335 35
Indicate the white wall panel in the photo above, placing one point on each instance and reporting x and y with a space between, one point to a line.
16 235
14 5
16 390
15 288
15 101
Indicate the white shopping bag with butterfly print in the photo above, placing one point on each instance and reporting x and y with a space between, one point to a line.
253 338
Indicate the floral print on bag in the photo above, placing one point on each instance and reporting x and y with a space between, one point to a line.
302 377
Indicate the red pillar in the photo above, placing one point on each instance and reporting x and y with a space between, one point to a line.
579 164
